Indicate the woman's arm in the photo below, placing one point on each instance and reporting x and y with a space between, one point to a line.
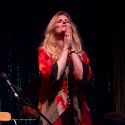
62 63
77 66
63 58
81 66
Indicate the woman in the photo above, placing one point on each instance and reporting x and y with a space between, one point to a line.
65 70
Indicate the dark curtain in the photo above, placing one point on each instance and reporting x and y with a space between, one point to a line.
119 75
22 27
118 40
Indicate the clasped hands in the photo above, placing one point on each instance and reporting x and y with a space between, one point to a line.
68 40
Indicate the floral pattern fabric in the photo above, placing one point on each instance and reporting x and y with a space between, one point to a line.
62 98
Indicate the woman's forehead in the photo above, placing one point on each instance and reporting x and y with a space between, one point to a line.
62 17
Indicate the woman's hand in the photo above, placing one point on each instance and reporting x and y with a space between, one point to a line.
68 38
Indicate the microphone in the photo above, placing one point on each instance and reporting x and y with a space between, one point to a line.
8 83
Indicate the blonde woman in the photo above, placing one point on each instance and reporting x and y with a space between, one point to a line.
65 69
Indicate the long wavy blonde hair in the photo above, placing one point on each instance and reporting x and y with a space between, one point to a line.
51 44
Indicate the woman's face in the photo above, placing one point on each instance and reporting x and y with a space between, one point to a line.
61 24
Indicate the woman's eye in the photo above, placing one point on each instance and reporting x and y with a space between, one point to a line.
67 22
58 21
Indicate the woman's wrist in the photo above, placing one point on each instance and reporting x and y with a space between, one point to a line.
65 49
73 51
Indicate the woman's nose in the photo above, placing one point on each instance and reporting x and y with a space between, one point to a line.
64 22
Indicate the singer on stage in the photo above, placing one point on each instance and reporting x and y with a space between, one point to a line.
65 71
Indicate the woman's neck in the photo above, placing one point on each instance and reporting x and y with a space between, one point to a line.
60 36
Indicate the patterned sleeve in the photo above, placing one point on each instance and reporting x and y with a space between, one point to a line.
87 72
47 69
44 63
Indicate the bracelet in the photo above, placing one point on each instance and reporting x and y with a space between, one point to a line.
73 52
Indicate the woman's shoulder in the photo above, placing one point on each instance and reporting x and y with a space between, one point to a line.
43 52
42 49
84 52
85 57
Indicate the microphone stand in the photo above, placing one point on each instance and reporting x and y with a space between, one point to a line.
24 100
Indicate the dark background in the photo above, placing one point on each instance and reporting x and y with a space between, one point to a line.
22 27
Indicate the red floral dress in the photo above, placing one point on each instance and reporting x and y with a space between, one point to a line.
61 97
